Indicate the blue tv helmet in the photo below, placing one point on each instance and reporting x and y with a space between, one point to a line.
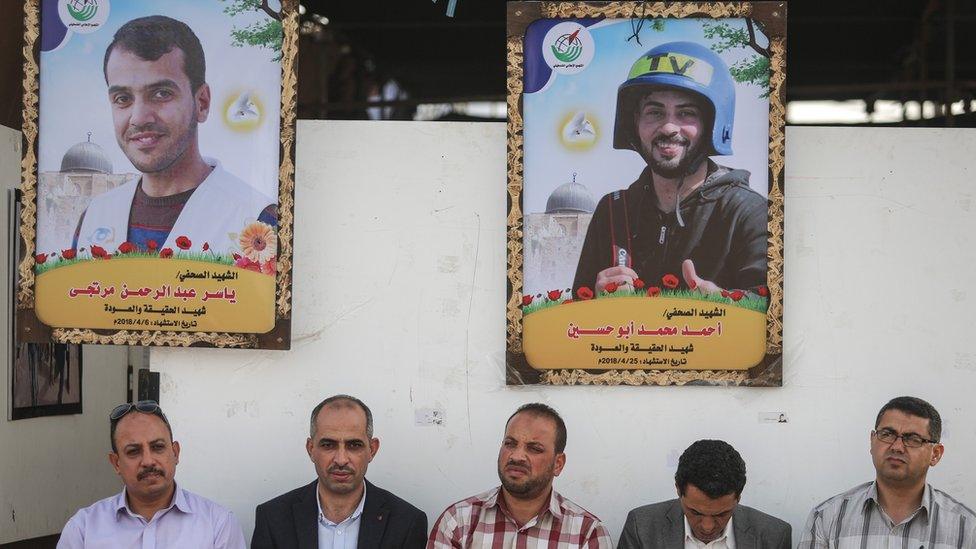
683 65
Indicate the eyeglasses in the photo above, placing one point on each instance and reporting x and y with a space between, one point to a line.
911 440
144 406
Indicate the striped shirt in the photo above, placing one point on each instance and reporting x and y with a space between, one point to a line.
482 522
855 520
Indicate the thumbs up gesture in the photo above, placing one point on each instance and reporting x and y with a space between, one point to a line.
695 282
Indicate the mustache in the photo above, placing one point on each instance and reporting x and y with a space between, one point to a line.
149 127
340 469
671 140
150 471
517 464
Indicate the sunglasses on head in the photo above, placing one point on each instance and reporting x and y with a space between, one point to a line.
144 406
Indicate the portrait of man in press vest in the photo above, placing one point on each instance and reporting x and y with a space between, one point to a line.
158 144
645 193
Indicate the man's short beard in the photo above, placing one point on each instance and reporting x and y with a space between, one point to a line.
529 488
673 169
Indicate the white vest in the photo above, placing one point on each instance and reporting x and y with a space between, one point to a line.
220 206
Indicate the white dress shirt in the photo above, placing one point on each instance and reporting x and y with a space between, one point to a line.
344 535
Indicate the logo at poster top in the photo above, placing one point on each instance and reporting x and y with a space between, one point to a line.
83 16
568 48
82 10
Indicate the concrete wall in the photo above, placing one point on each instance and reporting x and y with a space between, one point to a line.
400 299
51 466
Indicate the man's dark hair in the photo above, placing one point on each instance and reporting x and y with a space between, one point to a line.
916 407
351 400
114 423
714 467
152 37
541 410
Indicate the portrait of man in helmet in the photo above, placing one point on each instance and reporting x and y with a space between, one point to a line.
686 214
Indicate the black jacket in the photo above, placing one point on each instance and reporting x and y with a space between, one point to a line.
290 521
725 233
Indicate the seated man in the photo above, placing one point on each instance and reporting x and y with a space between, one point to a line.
525 508
151 511
897 509
710 479
340 509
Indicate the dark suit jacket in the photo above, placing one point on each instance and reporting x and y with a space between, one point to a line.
290 521
662 526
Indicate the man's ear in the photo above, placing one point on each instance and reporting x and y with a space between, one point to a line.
560 463
113 458
374 446
202 99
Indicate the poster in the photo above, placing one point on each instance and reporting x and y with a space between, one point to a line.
164 172
44 378
646 182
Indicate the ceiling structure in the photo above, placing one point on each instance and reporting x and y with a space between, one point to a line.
869 50
899 50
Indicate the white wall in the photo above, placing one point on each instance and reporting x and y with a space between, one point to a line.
51 466
400 300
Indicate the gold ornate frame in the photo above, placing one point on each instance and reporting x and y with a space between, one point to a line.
771 16
30 328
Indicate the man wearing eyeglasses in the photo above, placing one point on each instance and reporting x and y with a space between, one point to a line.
898 509
151 512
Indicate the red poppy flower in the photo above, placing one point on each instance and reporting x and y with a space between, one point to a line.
68 254
98 251
653 291
763 291
40 258
183 243
206 246
526 299
610 288
584 293
554 294
151 245
127 247
638 284
725 293
670 281
736 295
107 257
166 252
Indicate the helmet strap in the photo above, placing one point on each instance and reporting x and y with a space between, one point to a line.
677 201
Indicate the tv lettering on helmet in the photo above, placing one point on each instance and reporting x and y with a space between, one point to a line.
686 66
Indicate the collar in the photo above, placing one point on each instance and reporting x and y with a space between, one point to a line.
179 501
872 498
555 505
355 514
727 534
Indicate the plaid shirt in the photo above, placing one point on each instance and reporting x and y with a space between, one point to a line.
482 522
856 520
